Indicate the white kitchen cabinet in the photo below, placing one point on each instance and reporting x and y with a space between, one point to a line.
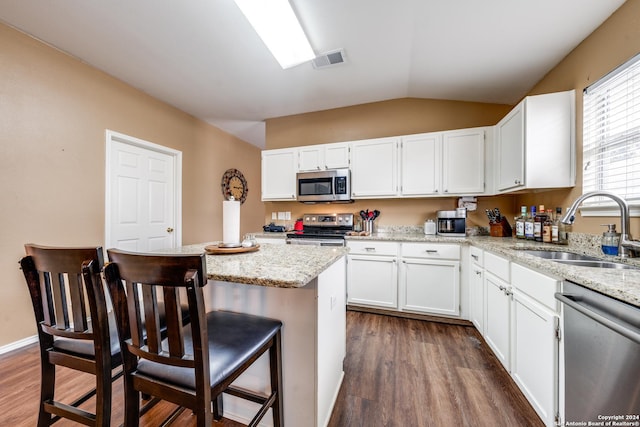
372 274
535 342
279 169
374 168
323 156
443 163
430 278
497 307
476 288
535 145
420 167
463 161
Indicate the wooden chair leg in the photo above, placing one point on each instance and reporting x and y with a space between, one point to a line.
103 397
131 404
275 368
218 408
47 387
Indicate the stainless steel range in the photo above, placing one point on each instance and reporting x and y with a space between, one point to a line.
322 230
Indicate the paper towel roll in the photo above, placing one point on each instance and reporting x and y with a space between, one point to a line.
230 222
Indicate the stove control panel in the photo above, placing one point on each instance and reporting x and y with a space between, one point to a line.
328 220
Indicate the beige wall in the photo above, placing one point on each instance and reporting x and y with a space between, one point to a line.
380 119
617 40
54 111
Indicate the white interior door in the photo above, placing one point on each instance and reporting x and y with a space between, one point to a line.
143 200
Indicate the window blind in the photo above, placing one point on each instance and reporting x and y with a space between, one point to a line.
611 134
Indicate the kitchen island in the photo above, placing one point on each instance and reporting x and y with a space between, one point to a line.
305 288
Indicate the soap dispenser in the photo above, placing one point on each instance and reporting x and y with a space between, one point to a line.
610 240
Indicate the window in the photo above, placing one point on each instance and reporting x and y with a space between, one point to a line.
611 135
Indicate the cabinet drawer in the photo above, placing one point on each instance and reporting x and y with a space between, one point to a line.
430 250
370 247
476 255
538 286
496 265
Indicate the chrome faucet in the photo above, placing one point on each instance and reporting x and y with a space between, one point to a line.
627 246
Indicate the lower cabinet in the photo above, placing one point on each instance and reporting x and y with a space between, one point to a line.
497 332
430 278
521 326
372 274
412 277
373 280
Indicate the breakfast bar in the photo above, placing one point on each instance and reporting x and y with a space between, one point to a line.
304 287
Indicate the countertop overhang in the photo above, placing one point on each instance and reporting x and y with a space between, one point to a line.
281 266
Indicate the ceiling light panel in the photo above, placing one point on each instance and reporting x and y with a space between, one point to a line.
278 27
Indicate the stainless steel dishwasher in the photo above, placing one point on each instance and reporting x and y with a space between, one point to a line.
602 358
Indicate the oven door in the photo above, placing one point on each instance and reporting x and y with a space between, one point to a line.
315 242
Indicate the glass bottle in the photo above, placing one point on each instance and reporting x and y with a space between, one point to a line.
555 226
520 220
563 230
528 224
546 227
538 220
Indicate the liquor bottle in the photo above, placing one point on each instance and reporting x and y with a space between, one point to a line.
528 224
555 226
546 227
538 220
520 220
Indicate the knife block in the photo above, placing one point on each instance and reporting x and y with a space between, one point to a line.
501 229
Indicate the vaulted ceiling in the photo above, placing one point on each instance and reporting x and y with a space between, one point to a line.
202 56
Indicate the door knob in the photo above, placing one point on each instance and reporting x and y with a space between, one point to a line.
169 230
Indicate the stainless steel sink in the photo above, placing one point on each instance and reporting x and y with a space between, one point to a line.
579 260
559 255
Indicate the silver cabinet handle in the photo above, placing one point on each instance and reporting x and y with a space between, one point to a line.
475 257
431 251
479 273
370 249
502 288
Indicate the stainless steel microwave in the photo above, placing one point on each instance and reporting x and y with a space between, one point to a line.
324 186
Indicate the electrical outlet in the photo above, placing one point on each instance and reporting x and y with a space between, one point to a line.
274 215
281 215
287 216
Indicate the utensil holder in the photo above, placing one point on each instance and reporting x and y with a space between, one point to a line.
368 227
500 229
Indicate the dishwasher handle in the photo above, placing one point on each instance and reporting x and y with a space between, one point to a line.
605 321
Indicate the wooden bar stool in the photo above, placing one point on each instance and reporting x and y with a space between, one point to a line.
62 305
196 363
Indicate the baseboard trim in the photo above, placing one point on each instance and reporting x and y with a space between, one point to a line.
414 316
18 344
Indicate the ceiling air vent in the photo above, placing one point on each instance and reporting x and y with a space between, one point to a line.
328 59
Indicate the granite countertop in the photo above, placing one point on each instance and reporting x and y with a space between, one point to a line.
282 266
623 285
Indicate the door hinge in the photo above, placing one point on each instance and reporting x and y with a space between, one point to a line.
557 419
558 333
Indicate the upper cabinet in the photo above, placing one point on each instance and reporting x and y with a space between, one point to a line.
323 156
443 163
374 168
535 145
279 169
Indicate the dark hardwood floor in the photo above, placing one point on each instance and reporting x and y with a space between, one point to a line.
398 372
404 372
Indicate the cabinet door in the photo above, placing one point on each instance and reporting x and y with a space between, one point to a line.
510 152
497 314
430 286
420 169
279 174
310 158
336 156
463 162
372 281
535 355
374 168
476 297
